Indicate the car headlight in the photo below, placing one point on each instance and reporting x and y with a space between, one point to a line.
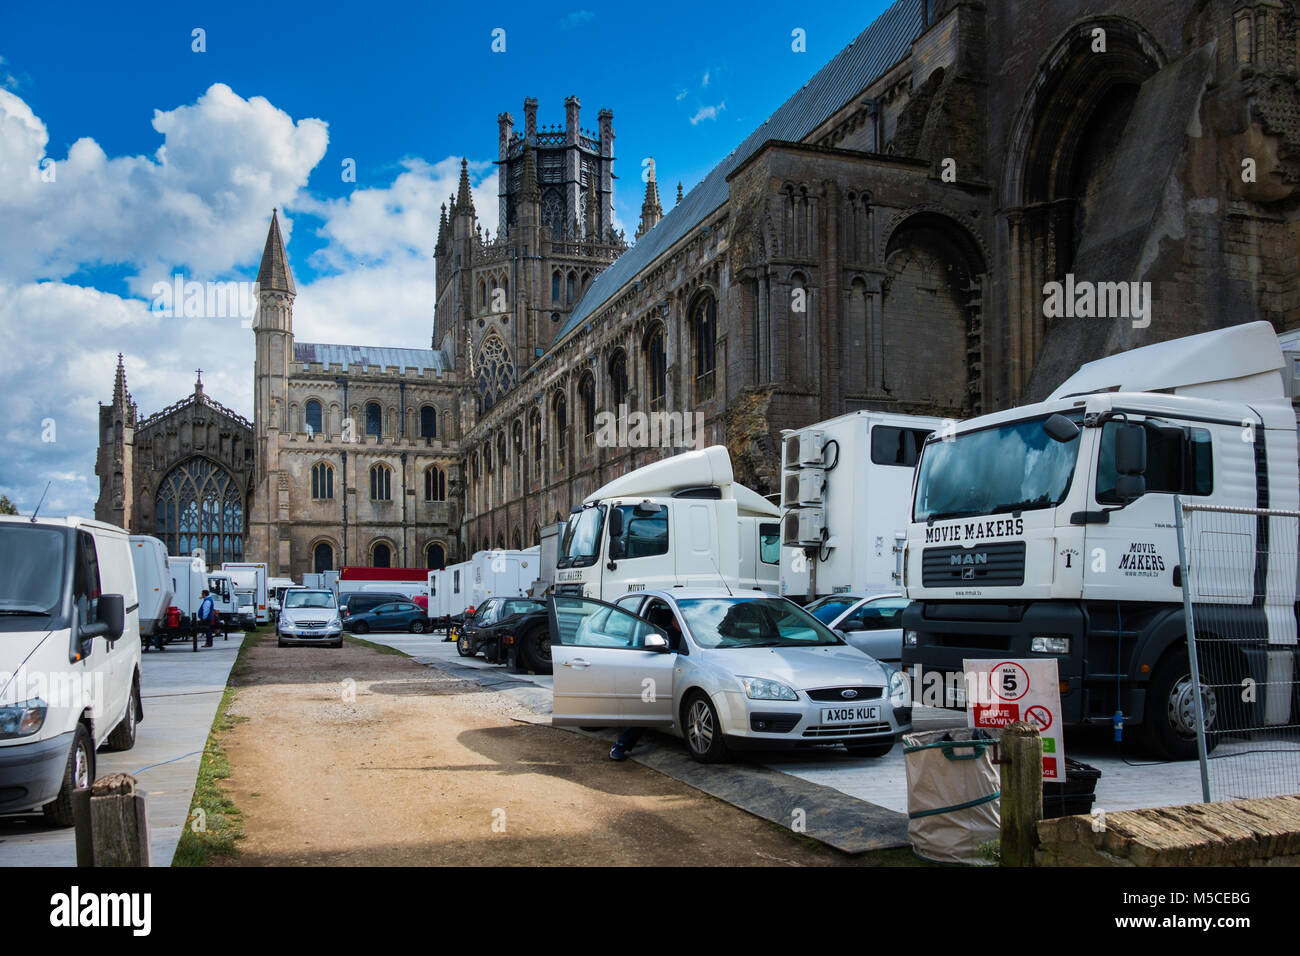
1050 645
758 688
910 638
900 694
22 720
336 622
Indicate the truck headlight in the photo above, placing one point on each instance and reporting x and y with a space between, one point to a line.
758 688
22 720
900 694
910 638
1050 645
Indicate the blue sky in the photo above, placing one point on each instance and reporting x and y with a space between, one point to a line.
168 160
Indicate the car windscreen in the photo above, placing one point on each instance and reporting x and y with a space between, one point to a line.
32 568
828 609
321 599
753 622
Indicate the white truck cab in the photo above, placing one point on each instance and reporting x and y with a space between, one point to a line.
69 657
1050 530
679 522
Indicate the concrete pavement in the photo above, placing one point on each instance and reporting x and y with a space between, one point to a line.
180 693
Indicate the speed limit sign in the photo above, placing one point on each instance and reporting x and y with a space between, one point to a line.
1007 691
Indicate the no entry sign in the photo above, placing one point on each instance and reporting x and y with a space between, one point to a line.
1003 692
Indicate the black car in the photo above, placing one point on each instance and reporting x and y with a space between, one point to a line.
509 630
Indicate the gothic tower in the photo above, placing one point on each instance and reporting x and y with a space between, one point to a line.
651 211
273 335
116 457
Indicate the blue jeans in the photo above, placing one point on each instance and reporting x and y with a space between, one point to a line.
629 737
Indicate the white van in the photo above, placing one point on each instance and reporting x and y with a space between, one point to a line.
69 657
153 581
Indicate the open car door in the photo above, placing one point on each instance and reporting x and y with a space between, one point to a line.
611 668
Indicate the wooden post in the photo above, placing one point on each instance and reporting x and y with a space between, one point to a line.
1022 792
81 820
119 826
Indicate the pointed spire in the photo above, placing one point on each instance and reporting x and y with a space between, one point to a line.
651 211
442 230
121 397
679 191
274 274
464 201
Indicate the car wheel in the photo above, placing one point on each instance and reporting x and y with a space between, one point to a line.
77 775
417 627
703 730
1169 727
869 750
360 627
123 735
535 650
464 646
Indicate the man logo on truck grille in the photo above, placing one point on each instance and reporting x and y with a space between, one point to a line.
975 557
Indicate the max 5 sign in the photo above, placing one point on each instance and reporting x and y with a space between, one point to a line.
1020 690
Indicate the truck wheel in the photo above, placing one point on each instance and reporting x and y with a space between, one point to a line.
360 627
79 774
535 650
465 647
417 627
123 735
704 737
1169 726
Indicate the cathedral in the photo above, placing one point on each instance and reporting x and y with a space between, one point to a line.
882 241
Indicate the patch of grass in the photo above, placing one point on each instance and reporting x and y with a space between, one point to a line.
381 648
220 822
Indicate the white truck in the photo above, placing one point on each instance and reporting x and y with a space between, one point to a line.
455 589
449 592
682 521
69 658
1049 531
251 576
846 492
275 588
153 582
190 576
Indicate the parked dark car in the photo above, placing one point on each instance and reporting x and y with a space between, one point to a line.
394 616
359 601
509 630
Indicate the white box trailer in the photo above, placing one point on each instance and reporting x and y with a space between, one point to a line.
846 497
449 590
251 576
153 581
502 573
681 521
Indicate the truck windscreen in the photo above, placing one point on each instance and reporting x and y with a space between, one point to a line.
581 545
1015 467
32 568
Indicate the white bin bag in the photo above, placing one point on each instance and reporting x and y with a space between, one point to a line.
953 792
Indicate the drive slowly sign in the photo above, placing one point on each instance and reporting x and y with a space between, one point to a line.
1008 691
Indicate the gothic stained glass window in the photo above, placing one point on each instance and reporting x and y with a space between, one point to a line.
199 505
494 373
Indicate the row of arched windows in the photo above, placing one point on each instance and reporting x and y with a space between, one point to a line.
381 554
381 482
373 416
568 287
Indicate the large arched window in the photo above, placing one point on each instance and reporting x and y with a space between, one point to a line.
555 287
435 556
493 371
381 555
322 480
199 505
315 425
618 380
535 433
374 419
656 360
381 483
322 557
428 422
587 402
560 409
517 540
703 324
435 484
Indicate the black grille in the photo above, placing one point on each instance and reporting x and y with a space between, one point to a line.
773 723
846 730
568 590
990 565
836 694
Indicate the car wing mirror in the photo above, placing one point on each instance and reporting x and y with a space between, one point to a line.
851 626
656 642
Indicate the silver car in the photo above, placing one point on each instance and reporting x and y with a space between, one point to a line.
309 617
874 625
725 671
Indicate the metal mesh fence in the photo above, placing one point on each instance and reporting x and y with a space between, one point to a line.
1242 693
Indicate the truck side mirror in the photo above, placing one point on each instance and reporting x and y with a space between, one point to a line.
111 610
615 523
1130 462
1130 487
1061 429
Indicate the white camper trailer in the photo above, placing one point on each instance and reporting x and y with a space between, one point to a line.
153 581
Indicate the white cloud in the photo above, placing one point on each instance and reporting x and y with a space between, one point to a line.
576 18
704 83
681 95
707 113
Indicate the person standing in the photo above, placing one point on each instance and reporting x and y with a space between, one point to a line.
207 617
